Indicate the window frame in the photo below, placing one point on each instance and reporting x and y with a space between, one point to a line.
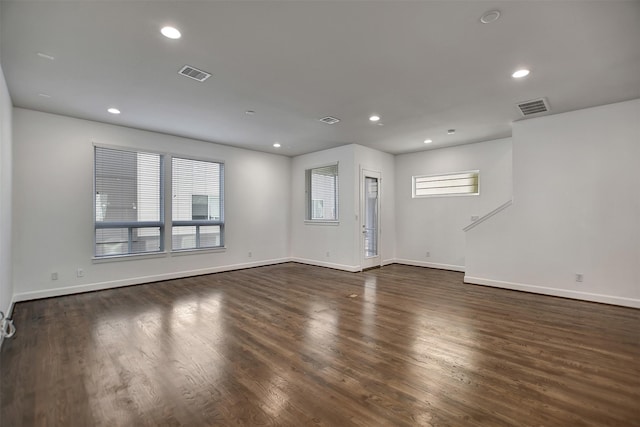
130 225
309 200
199 222
414 179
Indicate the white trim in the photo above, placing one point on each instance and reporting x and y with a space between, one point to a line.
430 265
47 293
565 293
349 268
320 222
128 257
485 217
388 262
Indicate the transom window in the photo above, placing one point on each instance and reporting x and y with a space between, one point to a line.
452 184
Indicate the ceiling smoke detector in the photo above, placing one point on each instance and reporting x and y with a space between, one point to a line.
534 106
490 16
194 73
329 120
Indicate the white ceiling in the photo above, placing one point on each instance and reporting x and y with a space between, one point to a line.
423 66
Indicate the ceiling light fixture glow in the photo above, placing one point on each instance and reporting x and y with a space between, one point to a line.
428 141
113 110
171 32
276 144
520 74
374 118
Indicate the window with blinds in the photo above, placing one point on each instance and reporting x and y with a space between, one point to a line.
322 193
128 202
452 184
197 204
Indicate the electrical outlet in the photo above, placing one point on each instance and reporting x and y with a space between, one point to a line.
80 272
579 277
250 254
54 275
428 254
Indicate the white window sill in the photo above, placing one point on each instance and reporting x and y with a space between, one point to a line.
182 252
319 222
127 257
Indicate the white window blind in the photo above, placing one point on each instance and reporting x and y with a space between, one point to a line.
197 204
322 193
459 183
128 202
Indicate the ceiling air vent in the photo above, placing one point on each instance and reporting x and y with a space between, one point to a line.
329 120
194 73
535 106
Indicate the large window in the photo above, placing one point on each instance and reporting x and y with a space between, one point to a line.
128 202
322 193
452 184
197 204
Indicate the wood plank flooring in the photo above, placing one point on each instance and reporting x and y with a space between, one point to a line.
295 345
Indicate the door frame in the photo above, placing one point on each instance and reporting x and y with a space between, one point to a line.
375 261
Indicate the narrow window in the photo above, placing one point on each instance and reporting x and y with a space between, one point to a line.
322 193
452 184
197 204
128 202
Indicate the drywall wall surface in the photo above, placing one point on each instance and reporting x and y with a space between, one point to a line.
429 229
331 244
53 206
576 209
6 163
377 161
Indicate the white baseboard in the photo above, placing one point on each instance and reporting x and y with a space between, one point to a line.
565 293
47 293
430 265
350 268
388 262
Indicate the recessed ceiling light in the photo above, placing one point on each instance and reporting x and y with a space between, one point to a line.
451 131
490 16
276 144
250 112
45 56
113 110
44 95
374 118
171 33
520 74
428 141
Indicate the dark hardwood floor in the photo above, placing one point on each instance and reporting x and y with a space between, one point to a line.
295 345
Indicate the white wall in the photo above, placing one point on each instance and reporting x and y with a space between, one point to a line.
576 209
434 224
53 196
6 287
311 242
326 244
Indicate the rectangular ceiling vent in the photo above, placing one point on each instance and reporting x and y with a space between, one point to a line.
194 73
535 106
329 120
